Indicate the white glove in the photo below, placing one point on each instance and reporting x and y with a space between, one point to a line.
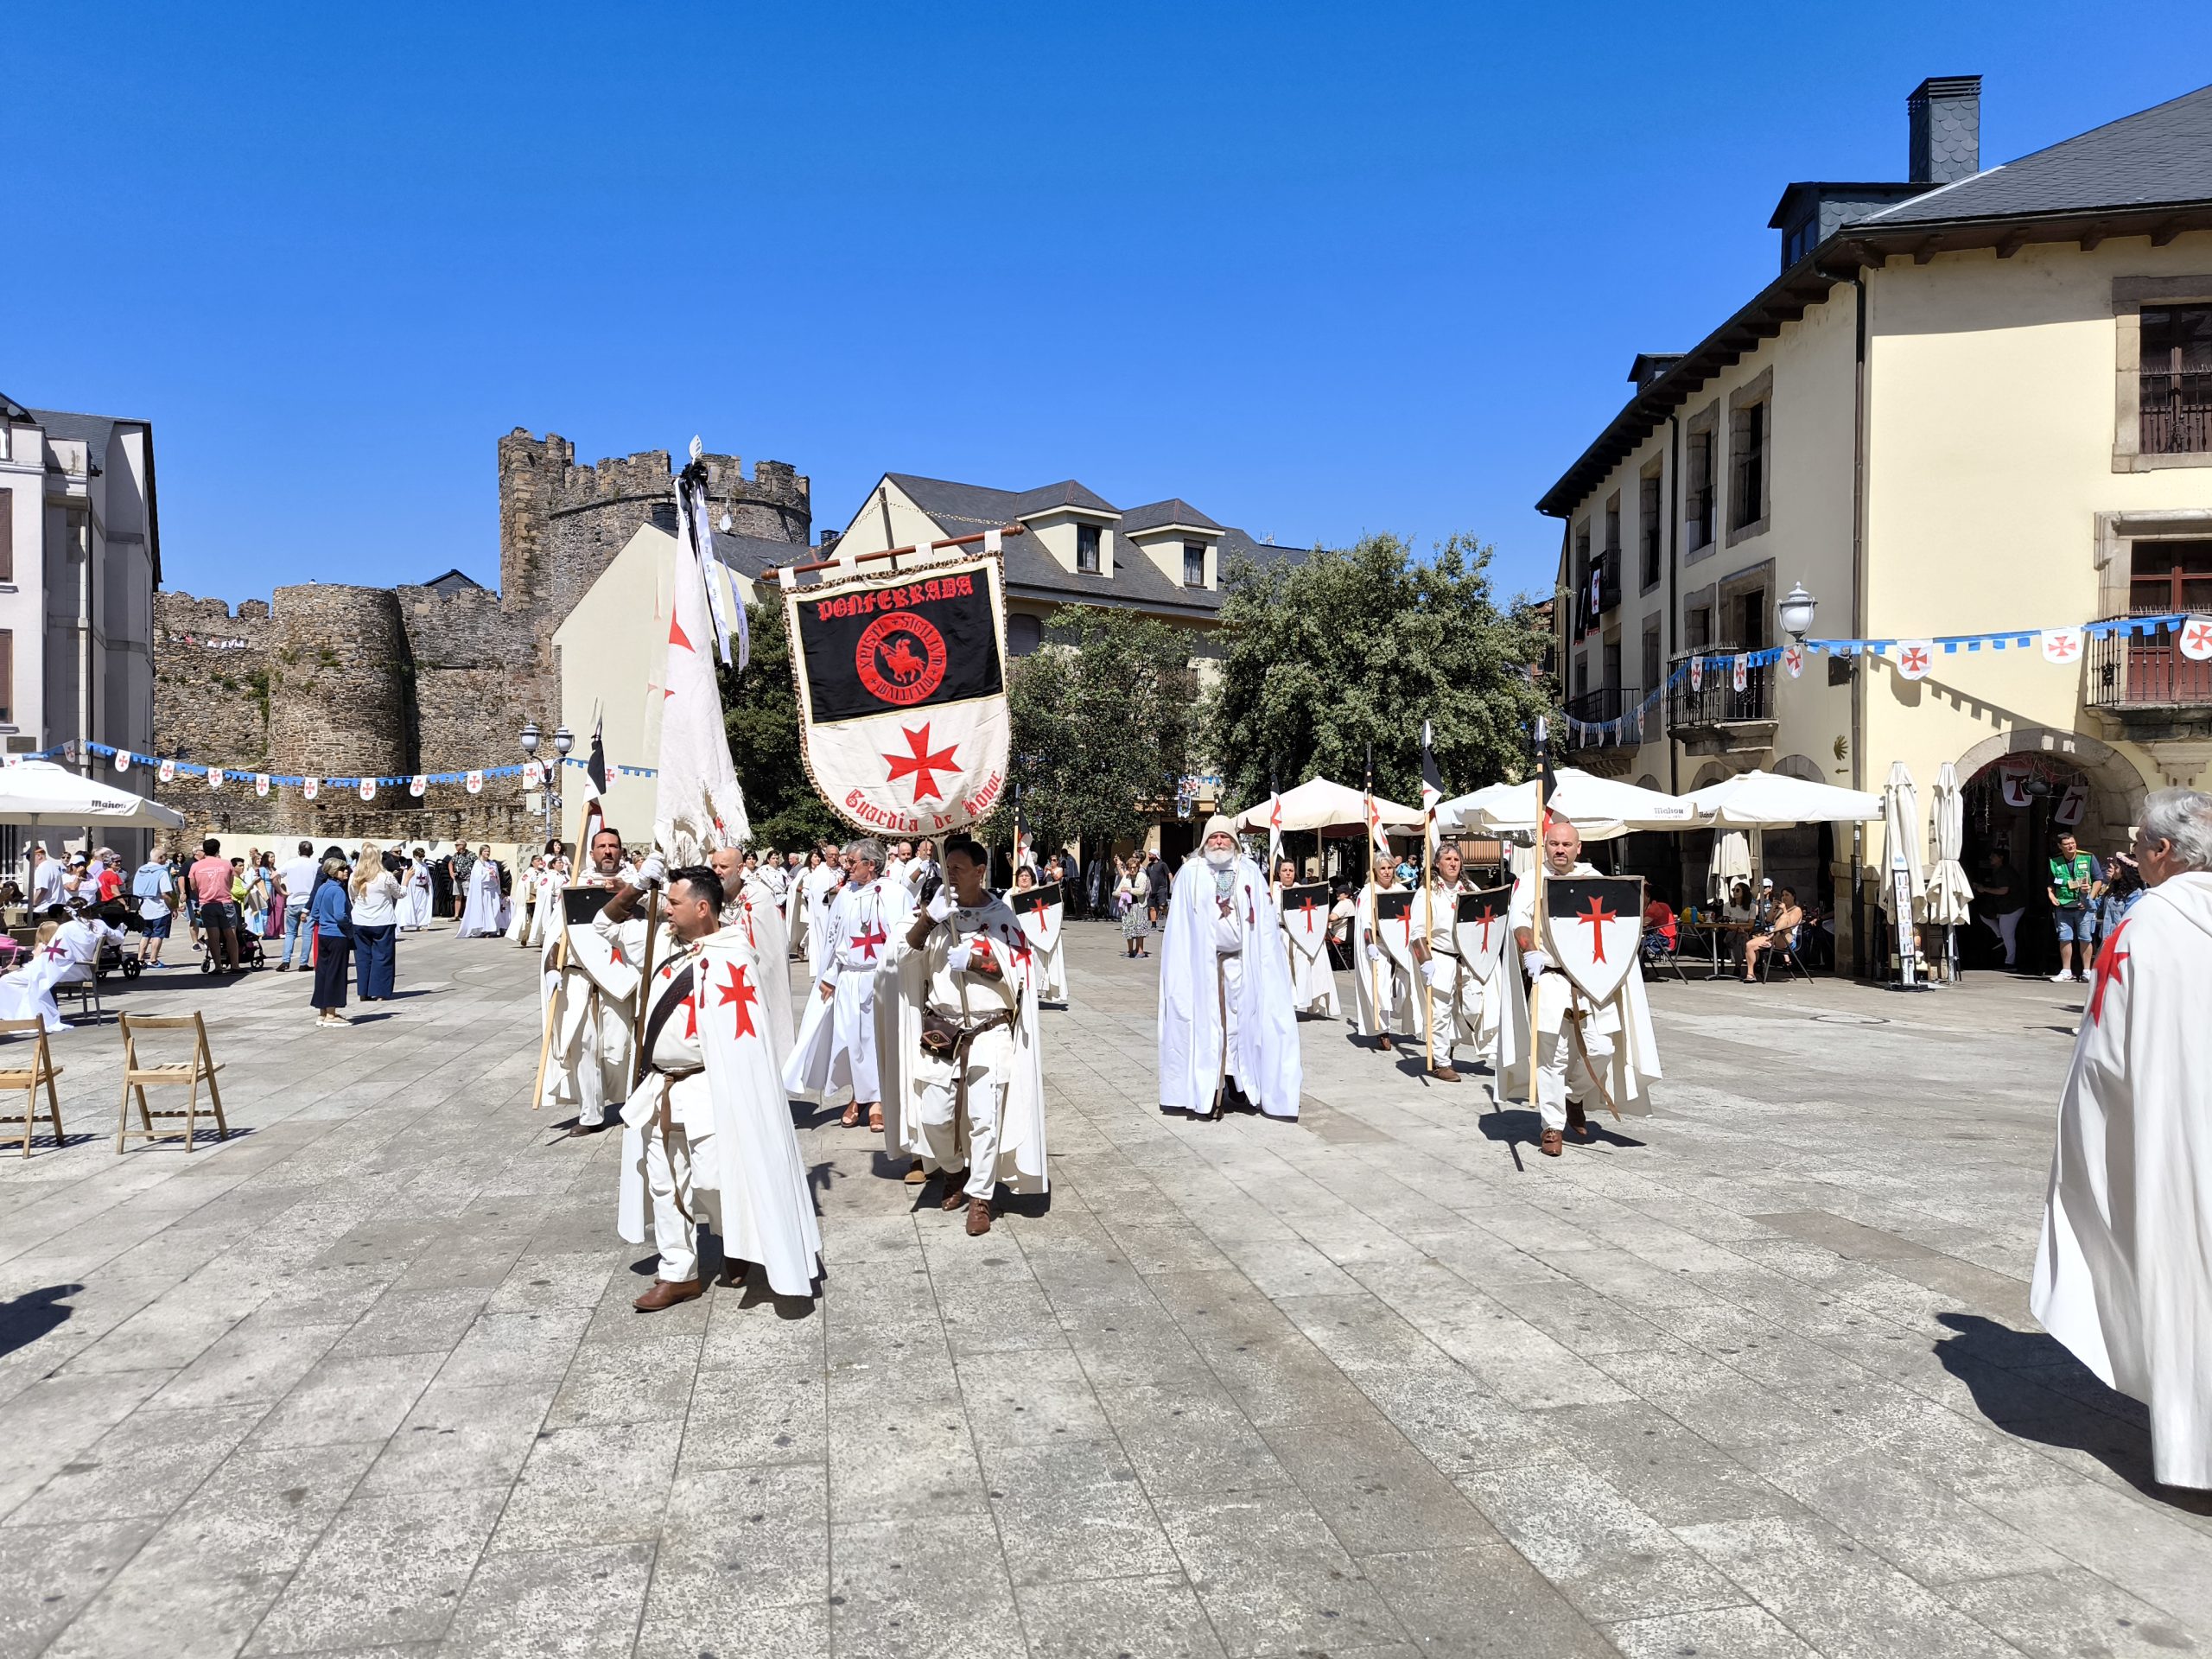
941 906
1374 951
955 959
1533 962
653 873
1428 972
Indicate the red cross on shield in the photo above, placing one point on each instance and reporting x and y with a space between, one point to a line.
1592 927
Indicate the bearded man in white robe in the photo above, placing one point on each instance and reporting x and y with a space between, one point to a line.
749 906
707 1134
1585 1052
591 979
838 1041
2123 1272
964 1081
1386 991
1227 1032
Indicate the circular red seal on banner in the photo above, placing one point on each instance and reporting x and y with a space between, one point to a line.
900 658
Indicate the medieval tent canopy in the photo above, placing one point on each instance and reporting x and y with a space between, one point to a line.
1602 808
1329 808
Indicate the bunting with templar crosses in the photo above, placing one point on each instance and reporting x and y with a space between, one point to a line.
1592 925
1394 926
1480 929
2197 639
1306 916
902 680
1039 911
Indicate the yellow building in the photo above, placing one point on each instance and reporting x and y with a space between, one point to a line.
1975 400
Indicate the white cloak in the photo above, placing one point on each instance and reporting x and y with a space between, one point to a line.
27 992
1021 1156
1312 981
1047 939
480 917
818 893
2123 1272
1399 1012
841 1038
1541 1010
753 912
1193 1045
591 994
736 1109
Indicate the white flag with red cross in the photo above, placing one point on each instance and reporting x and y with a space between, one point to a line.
697 805
1305 916
1915 658
2197 639
2061 646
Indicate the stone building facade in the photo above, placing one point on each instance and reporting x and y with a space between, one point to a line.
330 680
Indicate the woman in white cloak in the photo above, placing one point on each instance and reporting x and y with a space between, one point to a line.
415 896
480 917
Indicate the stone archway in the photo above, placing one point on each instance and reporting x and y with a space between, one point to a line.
1801 766
2116 787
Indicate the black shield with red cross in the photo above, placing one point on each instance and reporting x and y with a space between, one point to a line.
1394 926
1039 909
1480 929
1592 925
1305 916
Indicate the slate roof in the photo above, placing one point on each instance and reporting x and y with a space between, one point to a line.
751 556
2159 155
1032 573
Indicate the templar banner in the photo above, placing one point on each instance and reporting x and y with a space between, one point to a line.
1593 925
902 694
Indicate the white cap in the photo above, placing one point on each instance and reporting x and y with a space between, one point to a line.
1219 824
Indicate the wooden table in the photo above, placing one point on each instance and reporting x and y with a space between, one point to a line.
1714 931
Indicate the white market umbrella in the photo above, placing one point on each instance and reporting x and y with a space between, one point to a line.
1731 863
1602 808
1901 834
1320 804
1949 893
1769 800
43 795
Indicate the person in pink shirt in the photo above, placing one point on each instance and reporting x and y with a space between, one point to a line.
209 879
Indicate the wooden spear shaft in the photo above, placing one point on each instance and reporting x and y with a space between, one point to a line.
545 1044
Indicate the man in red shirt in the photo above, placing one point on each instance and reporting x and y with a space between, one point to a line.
209 878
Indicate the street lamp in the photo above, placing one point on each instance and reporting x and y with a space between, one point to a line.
564 740
1797 612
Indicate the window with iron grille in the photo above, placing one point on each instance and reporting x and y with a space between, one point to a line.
1647 528
1652 677
1697 510
1086 549
1584 611
2175 384
1747 466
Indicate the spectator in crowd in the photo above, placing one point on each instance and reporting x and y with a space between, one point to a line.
1659 928
155 888
2123 886
332 917
1999 897
2076 883
1157 882
1344 912
1130 905
209 882
44 887
110 883
1780 930
374 902
297 876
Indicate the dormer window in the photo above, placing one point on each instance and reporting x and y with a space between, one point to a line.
1086 549
1194 564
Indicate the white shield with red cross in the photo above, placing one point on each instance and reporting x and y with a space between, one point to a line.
1039 911
1592 927
1306 916
1481 928
1394 926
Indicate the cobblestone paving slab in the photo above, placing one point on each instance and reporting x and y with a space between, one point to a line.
1753 1376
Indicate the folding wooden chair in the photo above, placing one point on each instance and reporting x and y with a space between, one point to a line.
27 1078
200 1068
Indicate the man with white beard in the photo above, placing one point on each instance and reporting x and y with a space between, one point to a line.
1228 1034
590 976
837 1043
749 906
1585 1052
2123 1273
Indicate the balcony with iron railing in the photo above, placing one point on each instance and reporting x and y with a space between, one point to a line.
1713 715
2148 684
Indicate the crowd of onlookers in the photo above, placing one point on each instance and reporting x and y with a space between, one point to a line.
2087 899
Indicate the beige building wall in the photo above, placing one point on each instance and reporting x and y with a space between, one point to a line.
909 525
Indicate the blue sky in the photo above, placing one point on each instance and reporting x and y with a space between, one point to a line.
1321 270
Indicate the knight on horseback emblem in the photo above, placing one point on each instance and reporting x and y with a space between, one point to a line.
901 658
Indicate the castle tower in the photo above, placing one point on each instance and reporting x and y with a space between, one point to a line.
340 682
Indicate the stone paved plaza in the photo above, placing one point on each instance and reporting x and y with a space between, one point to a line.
1753 1378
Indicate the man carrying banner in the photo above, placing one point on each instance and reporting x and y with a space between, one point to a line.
1386 1001
1586 1048
1228 1034
1305 938
838 1044
964 1077
590 977
2123 1273
1042 913
1463 1000
749 907
706 1131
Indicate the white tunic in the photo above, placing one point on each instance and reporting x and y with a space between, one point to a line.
479 917
1224 994
838 1040
2123 1272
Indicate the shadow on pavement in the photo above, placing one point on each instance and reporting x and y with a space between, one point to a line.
25 1319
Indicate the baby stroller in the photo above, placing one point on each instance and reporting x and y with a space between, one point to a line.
250 954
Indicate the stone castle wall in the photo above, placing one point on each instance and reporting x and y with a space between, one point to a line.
326 679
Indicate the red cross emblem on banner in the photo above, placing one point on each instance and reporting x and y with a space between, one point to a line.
1597 916
922 762
739 991
2196 641
2060 646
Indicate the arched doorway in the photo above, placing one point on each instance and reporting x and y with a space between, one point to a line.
2020 790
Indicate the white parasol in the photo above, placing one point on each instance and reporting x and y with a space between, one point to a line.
1769 800
1320 804
1731 863
1601 808
41 793
1901 834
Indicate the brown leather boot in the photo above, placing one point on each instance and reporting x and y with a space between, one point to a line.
916 1173
954 1198
1383 1041
666 1292
1577 1120
979 1217
1443 1074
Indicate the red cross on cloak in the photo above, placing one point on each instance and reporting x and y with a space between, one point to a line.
2108 961
1597 916
690 1017
739 991
56 951
868 942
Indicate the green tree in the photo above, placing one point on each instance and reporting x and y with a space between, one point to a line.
1103 726
761 713
1359 645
